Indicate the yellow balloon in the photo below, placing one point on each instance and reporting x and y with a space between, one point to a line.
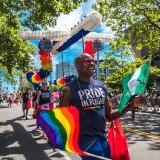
46 67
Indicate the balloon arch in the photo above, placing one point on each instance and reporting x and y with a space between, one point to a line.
56 42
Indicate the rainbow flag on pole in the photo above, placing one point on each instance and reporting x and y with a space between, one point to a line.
62 127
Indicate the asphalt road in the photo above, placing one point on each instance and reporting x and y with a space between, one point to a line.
20 141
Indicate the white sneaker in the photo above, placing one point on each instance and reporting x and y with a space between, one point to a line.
28 117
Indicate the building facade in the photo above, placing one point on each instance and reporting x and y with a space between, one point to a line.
5 86
65 69
144 53
22 79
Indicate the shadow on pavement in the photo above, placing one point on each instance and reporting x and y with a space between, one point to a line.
7 158
148 123
19 141
2 107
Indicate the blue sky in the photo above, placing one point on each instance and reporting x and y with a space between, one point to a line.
65 22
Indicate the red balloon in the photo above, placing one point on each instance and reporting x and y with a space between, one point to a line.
88 48
37 77
45 54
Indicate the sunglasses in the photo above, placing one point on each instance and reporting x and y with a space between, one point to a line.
88 61
44 84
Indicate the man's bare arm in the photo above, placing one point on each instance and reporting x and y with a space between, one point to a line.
66 98
114 114
38 97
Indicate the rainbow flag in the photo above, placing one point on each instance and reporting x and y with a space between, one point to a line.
62 127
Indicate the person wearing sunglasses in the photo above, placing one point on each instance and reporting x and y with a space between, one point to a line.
43 100
43 95
90 97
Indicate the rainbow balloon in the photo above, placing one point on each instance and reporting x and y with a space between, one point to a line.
45 47
64 80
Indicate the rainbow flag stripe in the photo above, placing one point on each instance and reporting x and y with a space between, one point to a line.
62 127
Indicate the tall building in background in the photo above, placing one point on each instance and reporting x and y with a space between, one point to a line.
65 69
22 79
5 86
144 53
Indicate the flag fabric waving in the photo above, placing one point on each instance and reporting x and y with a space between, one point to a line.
134 84
62 127
45 107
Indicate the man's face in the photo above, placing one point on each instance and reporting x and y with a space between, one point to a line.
45 85
86 65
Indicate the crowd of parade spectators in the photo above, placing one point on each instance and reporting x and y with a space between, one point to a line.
152 99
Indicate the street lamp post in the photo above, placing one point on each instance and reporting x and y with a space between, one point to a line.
97 65
62 66
97 46
51 79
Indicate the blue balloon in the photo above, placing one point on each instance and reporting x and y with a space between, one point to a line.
44 73
29 75
36 85
55 82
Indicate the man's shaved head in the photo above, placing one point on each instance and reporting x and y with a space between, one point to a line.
80 57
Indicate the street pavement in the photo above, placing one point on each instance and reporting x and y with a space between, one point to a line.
143 135
20 141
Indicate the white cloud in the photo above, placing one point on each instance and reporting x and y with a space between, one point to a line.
65 22
105 29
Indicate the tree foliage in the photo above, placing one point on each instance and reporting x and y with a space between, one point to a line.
38 12
15 54
15 15
113 82
117 56
24 86
55 88
133 21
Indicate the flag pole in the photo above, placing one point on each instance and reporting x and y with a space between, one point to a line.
99 157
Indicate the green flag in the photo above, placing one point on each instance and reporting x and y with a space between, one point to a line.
134 83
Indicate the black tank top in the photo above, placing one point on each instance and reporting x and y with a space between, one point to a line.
89 98
45 97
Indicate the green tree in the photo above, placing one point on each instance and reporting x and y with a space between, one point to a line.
15 15
36 13
117 56
113 81
56 88
133 21
24 86
15 54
